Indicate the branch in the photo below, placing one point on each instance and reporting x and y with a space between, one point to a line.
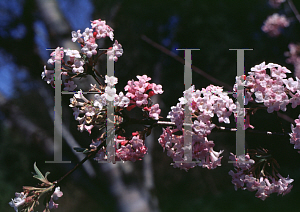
252 131
194 68
43 92
90 155
294 9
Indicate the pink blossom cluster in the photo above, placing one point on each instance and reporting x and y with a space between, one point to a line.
140 91
204 105
132 149
51 60
202 150
274 24
89 113
274 90
115 52
243 178
73 66
294 57
22 198
295 135
76 63
87 39
48 75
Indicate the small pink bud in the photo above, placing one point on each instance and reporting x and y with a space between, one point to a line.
151 93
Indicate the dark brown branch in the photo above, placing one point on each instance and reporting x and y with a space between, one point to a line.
294 9
181 60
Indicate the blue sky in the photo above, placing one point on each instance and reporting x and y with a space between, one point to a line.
77 12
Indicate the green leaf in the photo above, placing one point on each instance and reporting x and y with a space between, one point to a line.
38 174
47 173
86 151
79 149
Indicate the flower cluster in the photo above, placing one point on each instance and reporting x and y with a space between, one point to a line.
274 23
202 106
115 51
295 135
90 113
294 57
139 93
243 177
266 84
94 112
202 150
87 39
18 201
78 63
30 196
132 149
272 90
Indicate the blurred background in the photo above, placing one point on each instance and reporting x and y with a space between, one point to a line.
28 27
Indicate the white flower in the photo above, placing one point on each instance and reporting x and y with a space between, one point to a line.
100 101
17 201
121 100
110 93
48 75
115 51
57 193
89 111
77 67
69 86
72 53
111 81
79 95
76 35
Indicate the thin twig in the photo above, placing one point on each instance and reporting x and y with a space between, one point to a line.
294 9
90 155
181 60
252 131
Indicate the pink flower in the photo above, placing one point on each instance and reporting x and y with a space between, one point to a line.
69 86
157 89
89 49
121 100
154 111
143 78
274 24
57 193
89 128
78 67
115 52
48 76
102 30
